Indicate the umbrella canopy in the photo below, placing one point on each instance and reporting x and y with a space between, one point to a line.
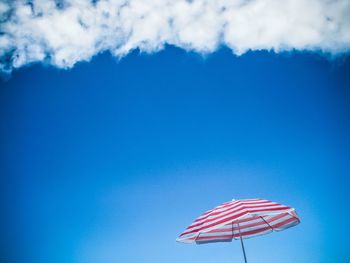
239 219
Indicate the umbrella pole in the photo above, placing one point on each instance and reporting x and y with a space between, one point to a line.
240 236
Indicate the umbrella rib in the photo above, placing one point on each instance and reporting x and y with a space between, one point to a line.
195 240
267 223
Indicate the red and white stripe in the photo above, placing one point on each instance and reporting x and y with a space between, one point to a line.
246 218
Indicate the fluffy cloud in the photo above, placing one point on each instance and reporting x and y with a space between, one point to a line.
63 32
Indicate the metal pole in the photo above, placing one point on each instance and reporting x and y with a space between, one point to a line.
240 236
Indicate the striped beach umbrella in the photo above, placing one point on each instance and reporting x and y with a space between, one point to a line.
239 219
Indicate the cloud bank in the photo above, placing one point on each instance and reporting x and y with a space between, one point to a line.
64 32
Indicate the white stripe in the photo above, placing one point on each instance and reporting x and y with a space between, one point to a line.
228 225
254 235
236 231
224 207
235 203
242 210
227 210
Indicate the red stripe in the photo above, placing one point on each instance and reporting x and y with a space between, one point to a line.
243 234
262 222
233 206
235 202
234 210
256 231
235 217
216 208
231 210
252 218
216 223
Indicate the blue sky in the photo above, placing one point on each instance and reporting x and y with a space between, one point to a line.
109 161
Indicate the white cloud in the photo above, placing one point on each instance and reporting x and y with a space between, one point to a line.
65 32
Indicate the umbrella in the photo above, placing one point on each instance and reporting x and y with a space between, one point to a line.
239 219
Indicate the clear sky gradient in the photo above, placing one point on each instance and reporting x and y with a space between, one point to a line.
109 161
